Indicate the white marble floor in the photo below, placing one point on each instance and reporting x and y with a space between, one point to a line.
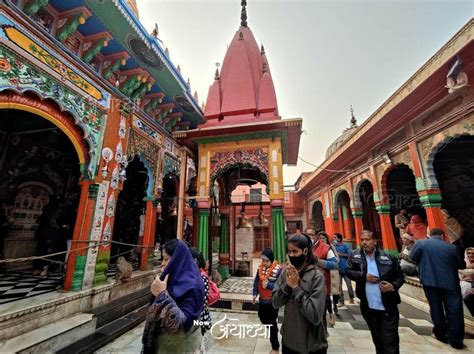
343 339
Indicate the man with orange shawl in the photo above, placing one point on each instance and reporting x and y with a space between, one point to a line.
417 228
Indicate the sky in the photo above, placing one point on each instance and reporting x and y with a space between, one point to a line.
324 55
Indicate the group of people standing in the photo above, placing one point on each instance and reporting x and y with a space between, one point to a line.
308 286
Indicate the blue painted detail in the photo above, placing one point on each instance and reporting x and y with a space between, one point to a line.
93 25
62 5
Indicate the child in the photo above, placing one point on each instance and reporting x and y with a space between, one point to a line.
265 279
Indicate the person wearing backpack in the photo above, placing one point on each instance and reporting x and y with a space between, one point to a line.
265 279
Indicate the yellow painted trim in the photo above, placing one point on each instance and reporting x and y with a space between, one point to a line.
61 126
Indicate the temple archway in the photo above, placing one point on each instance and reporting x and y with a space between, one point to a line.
167 225
130 211
317 219
342 211
40 169
454 170
399 189
364 200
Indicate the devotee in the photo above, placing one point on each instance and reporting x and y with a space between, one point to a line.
205 315
301 289
467 280
311 233
378 277
265 279
343 250
439 263
179 292
326 260
401 221
334 286
417 228
406 263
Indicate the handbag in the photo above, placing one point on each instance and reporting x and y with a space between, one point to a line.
214 293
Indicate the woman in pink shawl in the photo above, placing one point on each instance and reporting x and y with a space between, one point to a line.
417 228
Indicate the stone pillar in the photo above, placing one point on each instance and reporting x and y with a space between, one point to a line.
224 256
346 216
148 237
77 258
358 224
388 239
181 196
431 200
203 225
278 223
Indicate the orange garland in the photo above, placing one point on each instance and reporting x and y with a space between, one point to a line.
269 271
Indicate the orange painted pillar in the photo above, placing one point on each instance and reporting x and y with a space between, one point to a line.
431 200
358 224
388 238
77 257
147 234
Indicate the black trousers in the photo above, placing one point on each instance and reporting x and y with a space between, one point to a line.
446 312
286 350
383 327
268 316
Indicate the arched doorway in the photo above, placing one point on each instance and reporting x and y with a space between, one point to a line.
370 218
402 194
317 219
167 225
130 212
39 192
345 219
454 169
241 189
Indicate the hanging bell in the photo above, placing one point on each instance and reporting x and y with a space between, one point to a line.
244 222
175 211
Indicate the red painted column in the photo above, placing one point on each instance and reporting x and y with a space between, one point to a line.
147 234
358 224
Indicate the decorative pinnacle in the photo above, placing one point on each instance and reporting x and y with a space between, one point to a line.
264 68
216 76
353 119
243 14
262 49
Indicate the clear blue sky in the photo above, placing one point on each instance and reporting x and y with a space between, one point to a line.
323 55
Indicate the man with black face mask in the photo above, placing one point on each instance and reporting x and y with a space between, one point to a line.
301 289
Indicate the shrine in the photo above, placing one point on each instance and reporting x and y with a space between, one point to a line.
242 145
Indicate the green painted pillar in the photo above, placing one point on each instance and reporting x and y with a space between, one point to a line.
224 248
203 232
279 243
96 48
101 266
78 277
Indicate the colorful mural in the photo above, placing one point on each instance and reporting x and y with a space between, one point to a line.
16 74
255 157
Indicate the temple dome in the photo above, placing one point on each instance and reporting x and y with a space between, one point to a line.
243 91
346 134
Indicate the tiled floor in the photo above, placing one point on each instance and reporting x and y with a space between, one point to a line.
19 285
349 335
343 338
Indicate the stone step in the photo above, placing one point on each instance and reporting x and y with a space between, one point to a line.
52 337
107 333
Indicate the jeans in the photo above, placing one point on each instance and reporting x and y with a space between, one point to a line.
348 284
268 316
446 310
383 327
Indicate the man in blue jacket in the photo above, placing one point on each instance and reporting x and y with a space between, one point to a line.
439 262
378 277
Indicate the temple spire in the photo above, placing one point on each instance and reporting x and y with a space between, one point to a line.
353 119
243 14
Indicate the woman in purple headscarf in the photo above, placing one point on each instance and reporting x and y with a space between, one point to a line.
179 292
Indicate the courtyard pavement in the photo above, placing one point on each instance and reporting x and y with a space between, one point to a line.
349 335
